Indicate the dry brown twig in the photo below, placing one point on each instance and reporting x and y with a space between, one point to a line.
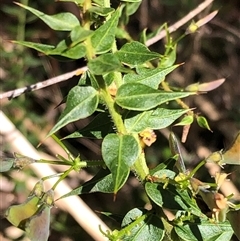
180 23
15 93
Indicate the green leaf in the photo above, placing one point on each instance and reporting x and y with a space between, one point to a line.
104 64
98 128
167 164
143 226
60 21
62 49
169 60
202 122
43 48
135 53
136 96
119 153
155 32
101 182
77 2
186 120
131 7
104 37
170 197
6 164
79 34
176 150
81 103
154 119
70 51
131 1
205 231
150 77
153 193
101 11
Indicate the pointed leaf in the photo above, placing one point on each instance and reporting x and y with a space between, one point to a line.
78 34
135 53
81 103
43 48
135 96
169 60
170 197
119 153
186 120
154 119
104 64
104 37
101 11
150 77
147 226
101 182
205 231
60 21
72 51
202 122
153 193
176 150
98 128
62 49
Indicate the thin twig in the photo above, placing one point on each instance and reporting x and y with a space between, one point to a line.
15 93
180 23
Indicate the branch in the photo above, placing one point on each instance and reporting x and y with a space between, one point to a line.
180 23
15 93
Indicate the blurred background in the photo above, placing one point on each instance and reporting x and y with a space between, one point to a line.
211 53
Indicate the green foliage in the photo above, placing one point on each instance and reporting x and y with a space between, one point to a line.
137 105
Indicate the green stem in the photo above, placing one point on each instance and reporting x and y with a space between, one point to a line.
54 162
22 22
51 176
65 174
86 25
196 168
117 118
94 163
140 167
